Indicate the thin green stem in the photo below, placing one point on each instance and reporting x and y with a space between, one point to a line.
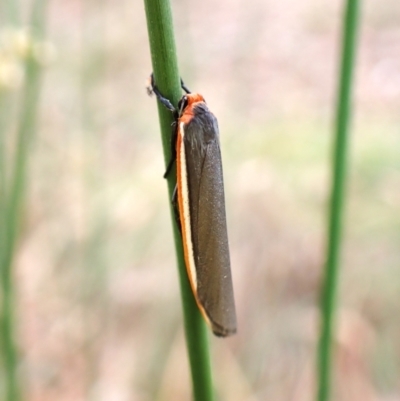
9 17
165 68
13 206
9 12
4 120
343 114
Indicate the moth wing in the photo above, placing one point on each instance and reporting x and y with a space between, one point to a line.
209 229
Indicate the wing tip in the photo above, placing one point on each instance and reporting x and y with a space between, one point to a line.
221 331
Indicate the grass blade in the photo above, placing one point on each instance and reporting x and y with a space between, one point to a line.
164 60
343 115
13 205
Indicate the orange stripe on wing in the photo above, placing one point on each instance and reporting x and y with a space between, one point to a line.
184 214
184 224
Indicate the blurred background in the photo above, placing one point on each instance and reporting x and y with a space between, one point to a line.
97 296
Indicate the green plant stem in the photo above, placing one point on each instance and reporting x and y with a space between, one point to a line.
343 115
13 205
12 220
164 60
4 120
9 12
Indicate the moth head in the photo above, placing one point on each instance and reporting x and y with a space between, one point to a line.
188 100
183 103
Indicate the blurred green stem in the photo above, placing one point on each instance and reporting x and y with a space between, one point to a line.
9 12
9 17
343 115
13 205
4 120
164 60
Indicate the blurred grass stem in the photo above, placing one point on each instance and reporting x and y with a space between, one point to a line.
11 211
165 68
343 114
9 12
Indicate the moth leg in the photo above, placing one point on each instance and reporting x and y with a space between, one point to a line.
169 167
184 87
174 201
152 88
173 152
